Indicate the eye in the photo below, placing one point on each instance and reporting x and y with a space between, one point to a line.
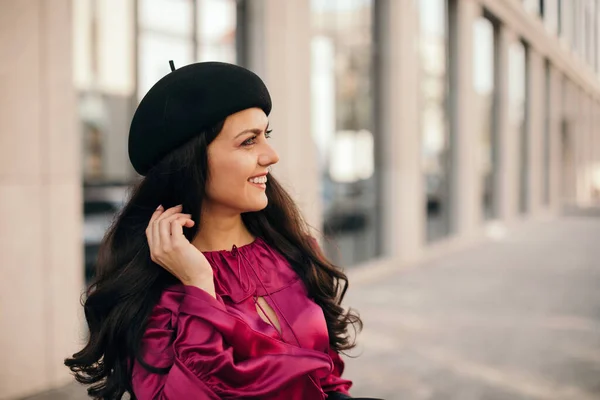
268 133
250 141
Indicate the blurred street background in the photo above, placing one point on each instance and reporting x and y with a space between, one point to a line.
446 150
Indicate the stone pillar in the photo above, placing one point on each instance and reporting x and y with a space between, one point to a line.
400 131
585 148
535 131
596 149
279 41
508 140
556 117
570 153
578 133
41 261
467 186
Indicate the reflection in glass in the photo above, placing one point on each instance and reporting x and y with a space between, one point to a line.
342 126
532 6
551 10
169 31
433 17
518 81
216 30
165 33
172 17
156 49
484 73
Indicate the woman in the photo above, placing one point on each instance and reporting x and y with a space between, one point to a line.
220 292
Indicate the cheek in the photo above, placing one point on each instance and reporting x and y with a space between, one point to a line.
228 179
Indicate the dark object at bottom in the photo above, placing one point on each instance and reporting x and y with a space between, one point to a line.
341 396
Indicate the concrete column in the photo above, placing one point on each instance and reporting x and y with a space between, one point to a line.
466 201
280 34
584 148
596 137
535 132
579 144
570 153
400 131
508 140
40 197
556 115
589 159
596 150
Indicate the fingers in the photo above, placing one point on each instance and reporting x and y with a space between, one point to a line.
149 229
177 227
170 211
156 223
164 227
159 231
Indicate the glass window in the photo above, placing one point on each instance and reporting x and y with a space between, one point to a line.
165 33
216 30
104 59
435 129
533 6
566 22
109 86
518 81
484 83
559 6
184 31
169 17
550 12
592 44
342 100
576 21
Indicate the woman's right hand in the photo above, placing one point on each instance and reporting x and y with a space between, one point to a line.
170 249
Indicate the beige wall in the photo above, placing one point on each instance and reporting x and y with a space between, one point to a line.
40 197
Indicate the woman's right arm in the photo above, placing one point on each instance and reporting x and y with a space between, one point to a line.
201 361
157 350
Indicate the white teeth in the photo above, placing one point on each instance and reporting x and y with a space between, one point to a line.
260 179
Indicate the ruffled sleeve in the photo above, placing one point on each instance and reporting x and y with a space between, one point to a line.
157 351
334 381
197 341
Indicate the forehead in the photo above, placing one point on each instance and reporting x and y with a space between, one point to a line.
251 118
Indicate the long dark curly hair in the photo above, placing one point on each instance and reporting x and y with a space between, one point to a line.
128 283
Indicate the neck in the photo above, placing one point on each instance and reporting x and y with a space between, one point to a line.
220 231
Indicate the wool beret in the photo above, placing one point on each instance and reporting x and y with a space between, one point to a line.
186 101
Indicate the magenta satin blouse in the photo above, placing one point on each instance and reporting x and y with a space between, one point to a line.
222 349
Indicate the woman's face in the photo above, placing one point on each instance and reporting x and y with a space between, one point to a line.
238 161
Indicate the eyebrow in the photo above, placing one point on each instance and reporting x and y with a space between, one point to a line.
254 131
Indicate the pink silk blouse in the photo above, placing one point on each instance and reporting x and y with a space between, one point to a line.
222 349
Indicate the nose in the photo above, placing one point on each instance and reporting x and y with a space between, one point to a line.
268 156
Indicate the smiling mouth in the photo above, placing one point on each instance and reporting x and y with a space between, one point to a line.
259 180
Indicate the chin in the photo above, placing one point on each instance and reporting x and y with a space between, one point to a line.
256 205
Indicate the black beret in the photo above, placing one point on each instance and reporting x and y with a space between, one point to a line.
185 102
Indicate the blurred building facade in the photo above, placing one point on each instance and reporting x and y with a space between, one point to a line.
405 128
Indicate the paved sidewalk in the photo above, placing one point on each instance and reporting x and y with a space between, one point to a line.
509 320
513 319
